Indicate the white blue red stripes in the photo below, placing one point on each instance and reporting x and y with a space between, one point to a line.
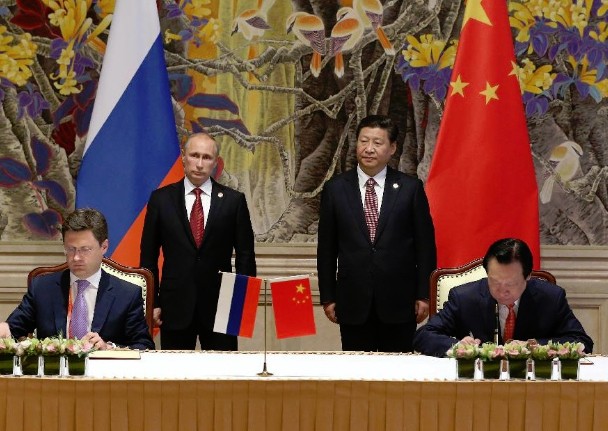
237 305
132 141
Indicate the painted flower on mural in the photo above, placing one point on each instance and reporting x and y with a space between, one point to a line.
427 62
578 57
77 34
535 83
202 27
16 56
564 37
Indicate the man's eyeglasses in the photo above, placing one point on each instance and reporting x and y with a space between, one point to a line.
83 251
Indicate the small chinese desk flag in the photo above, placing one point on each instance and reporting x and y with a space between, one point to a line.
292 305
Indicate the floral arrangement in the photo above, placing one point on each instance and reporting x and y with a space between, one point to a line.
517 350
7 346
567 350
28 347
76 347
463 351
49 346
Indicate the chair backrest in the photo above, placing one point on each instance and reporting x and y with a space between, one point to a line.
141 277
443 279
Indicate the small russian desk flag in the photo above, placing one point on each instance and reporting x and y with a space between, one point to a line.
237 305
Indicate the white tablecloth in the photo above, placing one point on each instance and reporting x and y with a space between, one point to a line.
297 365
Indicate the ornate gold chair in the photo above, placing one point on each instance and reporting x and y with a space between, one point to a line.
139 276
443 279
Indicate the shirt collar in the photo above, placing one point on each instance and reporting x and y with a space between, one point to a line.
206 187
93 280
380 177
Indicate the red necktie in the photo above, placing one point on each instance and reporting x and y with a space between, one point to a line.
371 208
509 324
197 218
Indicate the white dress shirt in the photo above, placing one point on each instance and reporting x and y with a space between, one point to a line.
190 196
380 179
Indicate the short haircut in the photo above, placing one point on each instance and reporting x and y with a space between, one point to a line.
84 219
200 135
380 122
508 250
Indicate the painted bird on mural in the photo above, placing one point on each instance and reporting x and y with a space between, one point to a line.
566 160
309 30
370 13
344 36
252 23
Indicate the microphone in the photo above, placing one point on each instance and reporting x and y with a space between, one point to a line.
496 328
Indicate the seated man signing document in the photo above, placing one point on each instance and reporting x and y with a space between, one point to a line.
528 308
83 302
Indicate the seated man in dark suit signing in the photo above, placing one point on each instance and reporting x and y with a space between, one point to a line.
528 309
83 302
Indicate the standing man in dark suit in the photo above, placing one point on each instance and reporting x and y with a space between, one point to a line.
376 247
84 301
538 310
196 243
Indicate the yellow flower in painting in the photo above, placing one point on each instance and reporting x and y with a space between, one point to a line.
198 8
105 7
568 13
170 37
210 31
535 80
427 51
67 55
588 76
70 16
16 56
602 34
68 85
603 8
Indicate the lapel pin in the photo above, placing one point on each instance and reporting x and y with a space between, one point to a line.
220 195
395 185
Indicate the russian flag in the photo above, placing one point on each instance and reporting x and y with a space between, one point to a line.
237 305
132 146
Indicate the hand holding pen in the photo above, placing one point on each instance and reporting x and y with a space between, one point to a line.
470 339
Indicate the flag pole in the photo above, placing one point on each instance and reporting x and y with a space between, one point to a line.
265 372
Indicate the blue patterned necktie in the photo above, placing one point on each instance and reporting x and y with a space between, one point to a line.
80 313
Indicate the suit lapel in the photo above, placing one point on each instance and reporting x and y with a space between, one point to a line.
488 305
526 319
60 303
392 186
353 197
217 201
103 303
178 200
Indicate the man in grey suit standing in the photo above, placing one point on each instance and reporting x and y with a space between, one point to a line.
197 223
376 247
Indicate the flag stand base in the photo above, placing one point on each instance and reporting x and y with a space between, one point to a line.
265 372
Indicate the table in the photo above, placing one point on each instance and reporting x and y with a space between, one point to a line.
204 391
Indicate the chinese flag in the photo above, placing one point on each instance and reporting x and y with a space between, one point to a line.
481 185
292 305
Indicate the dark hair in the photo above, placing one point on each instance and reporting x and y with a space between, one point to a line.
86 219
380 122
508 250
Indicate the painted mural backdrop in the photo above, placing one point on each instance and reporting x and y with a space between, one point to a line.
282 84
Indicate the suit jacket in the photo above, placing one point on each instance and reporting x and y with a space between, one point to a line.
393 271
543 314
190 274
118 316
